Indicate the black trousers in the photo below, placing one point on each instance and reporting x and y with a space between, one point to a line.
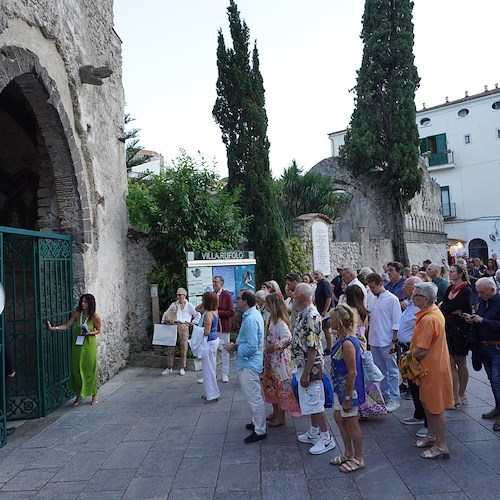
419 409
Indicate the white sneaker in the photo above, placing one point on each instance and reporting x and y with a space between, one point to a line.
308 437
225 378
392 406
421 433
167 371
182 372
200 381
322 446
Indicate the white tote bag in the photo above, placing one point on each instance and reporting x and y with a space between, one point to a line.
165 335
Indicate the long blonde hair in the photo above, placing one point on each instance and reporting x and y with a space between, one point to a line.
276 306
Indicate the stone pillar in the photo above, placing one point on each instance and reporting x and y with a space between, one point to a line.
361 235
315 231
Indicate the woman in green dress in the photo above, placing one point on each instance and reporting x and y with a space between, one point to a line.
83 379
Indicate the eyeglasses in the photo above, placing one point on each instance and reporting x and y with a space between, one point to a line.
419 295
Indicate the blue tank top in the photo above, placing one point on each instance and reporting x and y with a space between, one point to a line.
213 335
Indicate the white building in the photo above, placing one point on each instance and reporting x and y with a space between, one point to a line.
154 165
460 141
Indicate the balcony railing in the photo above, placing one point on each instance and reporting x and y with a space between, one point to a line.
442 160
449 210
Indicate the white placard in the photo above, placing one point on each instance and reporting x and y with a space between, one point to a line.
321 247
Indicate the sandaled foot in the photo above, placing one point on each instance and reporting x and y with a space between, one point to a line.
425 442
339 460
464 400
95 400
271 417
277 422
351 465
208 401
77 401
436 452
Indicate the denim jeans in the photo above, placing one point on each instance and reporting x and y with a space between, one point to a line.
491 362
389 368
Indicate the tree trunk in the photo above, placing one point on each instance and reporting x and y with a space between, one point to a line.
398 237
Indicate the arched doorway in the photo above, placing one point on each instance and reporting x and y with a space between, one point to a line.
40 229
478 248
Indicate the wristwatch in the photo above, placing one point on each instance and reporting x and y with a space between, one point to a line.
347 398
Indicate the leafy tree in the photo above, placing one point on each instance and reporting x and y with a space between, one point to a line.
381 143
300 193
133 157
239 110
181 211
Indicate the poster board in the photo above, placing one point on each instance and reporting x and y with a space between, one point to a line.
237 267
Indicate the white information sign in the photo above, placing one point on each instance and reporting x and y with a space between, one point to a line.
321 247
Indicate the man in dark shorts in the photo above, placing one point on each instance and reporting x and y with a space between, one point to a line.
323 298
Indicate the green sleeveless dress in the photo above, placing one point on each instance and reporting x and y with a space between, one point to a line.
83 378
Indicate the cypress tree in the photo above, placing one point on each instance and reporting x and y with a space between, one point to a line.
239 111
381 143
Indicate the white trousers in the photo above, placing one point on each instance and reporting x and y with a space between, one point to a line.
225 356
250 385
209 366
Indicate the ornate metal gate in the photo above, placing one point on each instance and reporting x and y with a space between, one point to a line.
36 272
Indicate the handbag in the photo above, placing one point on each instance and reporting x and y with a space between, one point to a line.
165 335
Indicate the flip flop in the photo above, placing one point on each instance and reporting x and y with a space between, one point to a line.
77 401
339 460
352 464
95 401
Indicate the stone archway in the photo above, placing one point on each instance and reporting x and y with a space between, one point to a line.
42 186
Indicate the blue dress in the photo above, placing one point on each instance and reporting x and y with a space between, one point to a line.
339 372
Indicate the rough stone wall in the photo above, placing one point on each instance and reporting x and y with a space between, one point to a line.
139 264
45 42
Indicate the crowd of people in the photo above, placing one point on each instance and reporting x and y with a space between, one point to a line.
404 332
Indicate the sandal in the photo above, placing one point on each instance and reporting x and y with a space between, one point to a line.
351 465
425 442
464 400
208 401
77 401
95 400
339 460
431 453
274 423
271 417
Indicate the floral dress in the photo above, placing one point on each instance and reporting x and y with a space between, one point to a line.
277 375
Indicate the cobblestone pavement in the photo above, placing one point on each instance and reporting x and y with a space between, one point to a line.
152 437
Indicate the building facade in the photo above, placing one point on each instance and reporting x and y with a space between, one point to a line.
460 144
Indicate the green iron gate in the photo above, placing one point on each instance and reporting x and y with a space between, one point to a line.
36 272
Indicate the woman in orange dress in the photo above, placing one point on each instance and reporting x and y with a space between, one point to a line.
429 347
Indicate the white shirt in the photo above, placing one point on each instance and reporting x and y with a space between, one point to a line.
407 323
183 315
385 315
355 281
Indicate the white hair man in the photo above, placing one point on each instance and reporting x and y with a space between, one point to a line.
307 356
434 273
486 329
350 277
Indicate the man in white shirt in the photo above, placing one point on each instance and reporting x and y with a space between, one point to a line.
385 315
350 278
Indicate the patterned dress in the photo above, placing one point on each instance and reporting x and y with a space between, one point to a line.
277 375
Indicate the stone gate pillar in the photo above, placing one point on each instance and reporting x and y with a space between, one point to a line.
315 231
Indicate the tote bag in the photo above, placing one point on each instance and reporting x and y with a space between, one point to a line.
165 335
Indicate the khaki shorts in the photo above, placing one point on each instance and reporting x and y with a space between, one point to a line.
337 406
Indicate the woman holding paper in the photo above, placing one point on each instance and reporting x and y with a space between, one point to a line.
83 379
181 313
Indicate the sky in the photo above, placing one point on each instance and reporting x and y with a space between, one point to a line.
309 53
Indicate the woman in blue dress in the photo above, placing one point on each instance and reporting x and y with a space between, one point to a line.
349 388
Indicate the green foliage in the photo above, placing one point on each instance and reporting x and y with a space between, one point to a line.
132 147
185 208
382 138
239 110
297 257
300 193
381 144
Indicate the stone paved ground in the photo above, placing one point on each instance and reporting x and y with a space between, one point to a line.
151 437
